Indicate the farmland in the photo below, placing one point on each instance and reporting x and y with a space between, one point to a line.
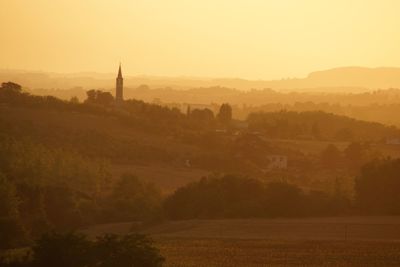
343 241
258 252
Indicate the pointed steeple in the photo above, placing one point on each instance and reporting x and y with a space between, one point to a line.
119 71
119 88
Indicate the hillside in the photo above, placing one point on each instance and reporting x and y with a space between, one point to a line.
166 147
319 125
339 79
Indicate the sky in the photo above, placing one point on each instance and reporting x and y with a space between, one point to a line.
253 39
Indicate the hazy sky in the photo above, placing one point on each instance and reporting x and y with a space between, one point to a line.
264 39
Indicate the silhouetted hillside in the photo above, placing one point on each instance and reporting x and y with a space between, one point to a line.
340 79
318 125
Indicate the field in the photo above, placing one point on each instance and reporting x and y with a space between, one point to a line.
344 241
258 252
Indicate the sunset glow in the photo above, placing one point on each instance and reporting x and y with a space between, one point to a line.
255 39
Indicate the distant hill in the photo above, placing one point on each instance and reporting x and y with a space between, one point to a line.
339 79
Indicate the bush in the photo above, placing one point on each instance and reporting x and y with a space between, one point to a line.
75 250
129 250
62 250
132 200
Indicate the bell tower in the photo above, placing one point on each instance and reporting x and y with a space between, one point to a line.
119 88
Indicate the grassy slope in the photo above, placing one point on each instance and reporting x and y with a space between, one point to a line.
63 128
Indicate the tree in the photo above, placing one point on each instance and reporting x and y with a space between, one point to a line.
216 197
225 114
62 250
99 97
11 229
344 134
316 131
10 91
76 250
283 199
61 207
188 111
202 116
104 98
133 199
377 187
91 96
331 157
355 155
74 100
11 87
129 250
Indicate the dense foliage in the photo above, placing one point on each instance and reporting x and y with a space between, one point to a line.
318 125
43 189
75 250
378 187
237 197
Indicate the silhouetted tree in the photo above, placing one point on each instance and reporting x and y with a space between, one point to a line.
355 155
62 250
76 250
11 87
316 131
133 199
188 111
202 116
378 187
104 98
99 97
283 199
11 229
225 114
74 100
91 96
129 250
344 134
331 157
237 197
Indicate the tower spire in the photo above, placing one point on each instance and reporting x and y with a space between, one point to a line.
119 88
119 71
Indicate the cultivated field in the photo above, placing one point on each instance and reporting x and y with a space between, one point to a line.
345 241
258 252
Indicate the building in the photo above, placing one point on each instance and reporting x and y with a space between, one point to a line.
277 162
393 141
119 88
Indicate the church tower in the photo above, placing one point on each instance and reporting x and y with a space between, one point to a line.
119 88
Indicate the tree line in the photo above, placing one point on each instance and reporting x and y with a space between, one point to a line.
318 125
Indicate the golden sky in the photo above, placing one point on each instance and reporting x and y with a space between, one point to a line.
256 39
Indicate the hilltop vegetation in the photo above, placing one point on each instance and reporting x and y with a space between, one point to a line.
318 125
238 197
148 134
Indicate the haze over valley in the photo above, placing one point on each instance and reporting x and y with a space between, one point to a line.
199 133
